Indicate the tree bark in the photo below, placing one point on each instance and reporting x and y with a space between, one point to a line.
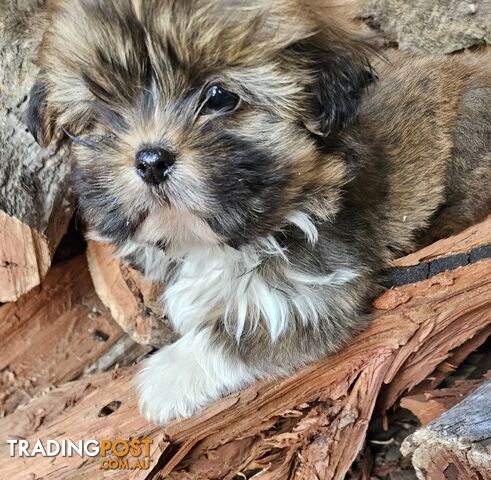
432 26
36 203
456 445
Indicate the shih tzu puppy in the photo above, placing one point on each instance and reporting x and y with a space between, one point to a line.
245 154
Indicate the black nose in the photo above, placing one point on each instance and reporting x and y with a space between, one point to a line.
153 164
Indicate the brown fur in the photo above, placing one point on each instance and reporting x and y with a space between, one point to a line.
432 117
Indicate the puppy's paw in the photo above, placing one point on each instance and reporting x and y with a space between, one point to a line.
185 377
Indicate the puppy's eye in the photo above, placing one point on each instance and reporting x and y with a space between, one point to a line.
219 100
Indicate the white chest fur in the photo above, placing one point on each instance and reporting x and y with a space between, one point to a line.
222 283
213 283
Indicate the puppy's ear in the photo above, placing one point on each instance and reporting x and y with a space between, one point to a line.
40 116
340 76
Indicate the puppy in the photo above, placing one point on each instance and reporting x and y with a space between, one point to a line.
244 154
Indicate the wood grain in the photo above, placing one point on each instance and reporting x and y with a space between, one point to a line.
36 202
456 445
52 333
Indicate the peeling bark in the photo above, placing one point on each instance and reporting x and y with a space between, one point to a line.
311 425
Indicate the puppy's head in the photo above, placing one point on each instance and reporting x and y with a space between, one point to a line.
198 120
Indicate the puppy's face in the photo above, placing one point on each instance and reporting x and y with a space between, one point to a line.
198 120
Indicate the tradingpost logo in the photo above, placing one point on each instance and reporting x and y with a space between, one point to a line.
116 454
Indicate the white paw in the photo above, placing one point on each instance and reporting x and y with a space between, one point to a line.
182 378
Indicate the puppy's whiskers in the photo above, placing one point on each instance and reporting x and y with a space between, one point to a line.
78 140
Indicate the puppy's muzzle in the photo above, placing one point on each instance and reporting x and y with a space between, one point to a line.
154 164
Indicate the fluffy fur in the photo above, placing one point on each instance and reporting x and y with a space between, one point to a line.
277 216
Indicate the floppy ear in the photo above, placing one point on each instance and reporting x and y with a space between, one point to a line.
40 118
341 75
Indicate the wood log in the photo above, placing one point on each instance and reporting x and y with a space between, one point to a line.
52 334
429 405
432 26
311 425
456 445
133 302
36 203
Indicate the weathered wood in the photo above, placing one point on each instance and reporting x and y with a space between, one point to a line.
35 199
420 26
52 333
311 424
432 26
456 445
429 405
132 300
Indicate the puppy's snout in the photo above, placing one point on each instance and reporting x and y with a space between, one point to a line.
154 164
